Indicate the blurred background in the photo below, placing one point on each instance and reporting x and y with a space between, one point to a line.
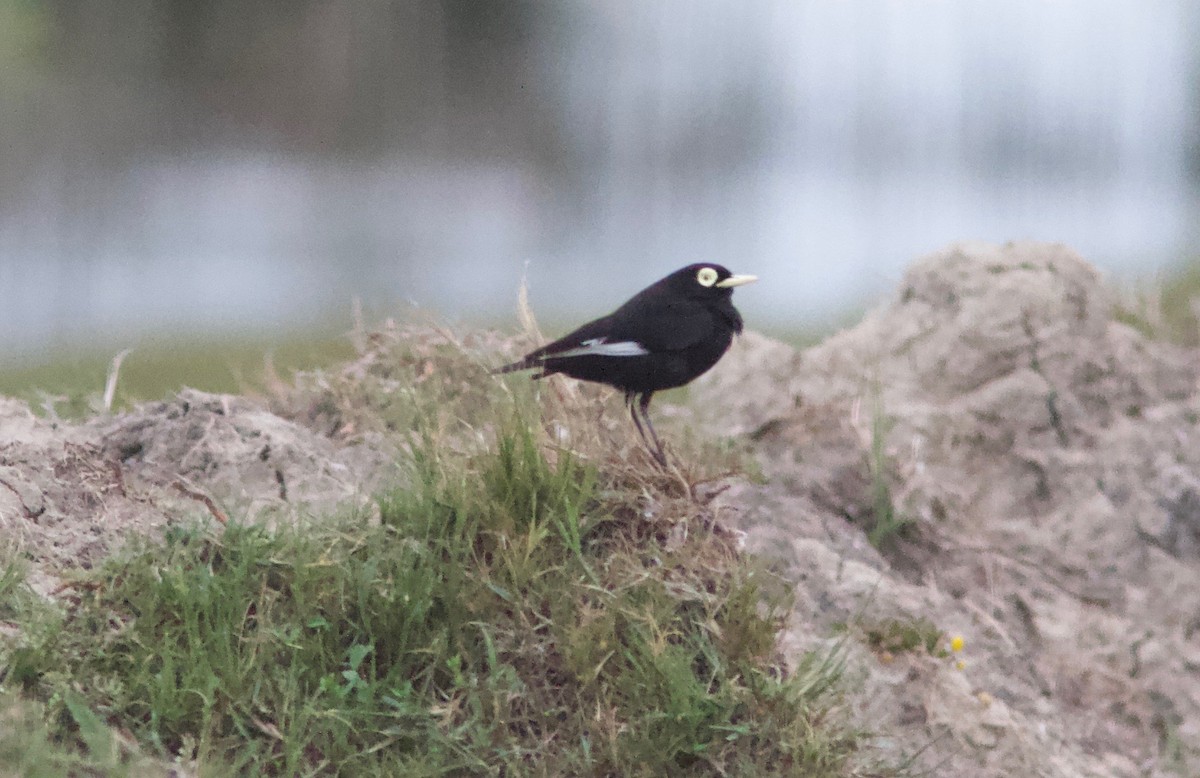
190 171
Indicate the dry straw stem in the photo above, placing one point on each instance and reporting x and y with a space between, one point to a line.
110 382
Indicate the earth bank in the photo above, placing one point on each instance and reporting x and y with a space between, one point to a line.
1027 465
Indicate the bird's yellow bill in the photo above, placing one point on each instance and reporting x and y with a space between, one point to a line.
736 281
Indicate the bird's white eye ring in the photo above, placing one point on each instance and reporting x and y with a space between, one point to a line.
706 276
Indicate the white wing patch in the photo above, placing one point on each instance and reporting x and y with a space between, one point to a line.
602 348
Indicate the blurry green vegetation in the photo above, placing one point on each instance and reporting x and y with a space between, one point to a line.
24 29
1169 308
157 368
885 524
902 637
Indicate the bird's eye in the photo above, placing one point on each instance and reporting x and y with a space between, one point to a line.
706 277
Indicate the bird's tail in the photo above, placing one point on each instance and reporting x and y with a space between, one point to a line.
521 364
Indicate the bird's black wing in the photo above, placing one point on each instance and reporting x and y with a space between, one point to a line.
660 325
594 331
647 324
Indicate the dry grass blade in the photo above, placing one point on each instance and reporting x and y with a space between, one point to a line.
525 312
110 382
193 493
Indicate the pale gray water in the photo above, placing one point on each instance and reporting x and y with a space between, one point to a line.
224 171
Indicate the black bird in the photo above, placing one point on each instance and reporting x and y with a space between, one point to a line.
664 336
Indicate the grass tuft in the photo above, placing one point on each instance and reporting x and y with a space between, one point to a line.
885 523
528 599
497 618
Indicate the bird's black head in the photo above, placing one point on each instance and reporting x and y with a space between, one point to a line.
705 279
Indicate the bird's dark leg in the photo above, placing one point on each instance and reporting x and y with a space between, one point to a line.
656 449
629 398
644 406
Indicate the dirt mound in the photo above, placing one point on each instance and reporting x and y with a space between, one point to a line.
1029 466
1034 466
60 500
246 456
69 494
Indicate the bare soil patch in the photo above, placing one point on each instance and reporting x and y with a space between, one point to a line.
1047 459
70 494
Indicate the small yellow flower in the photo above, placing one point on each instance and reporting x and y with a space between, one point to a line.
957 643
960 665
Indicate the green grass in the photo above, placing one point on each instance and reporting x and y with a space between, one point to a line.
1165 309
507 613
895 636
528 597
72 383
885 524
